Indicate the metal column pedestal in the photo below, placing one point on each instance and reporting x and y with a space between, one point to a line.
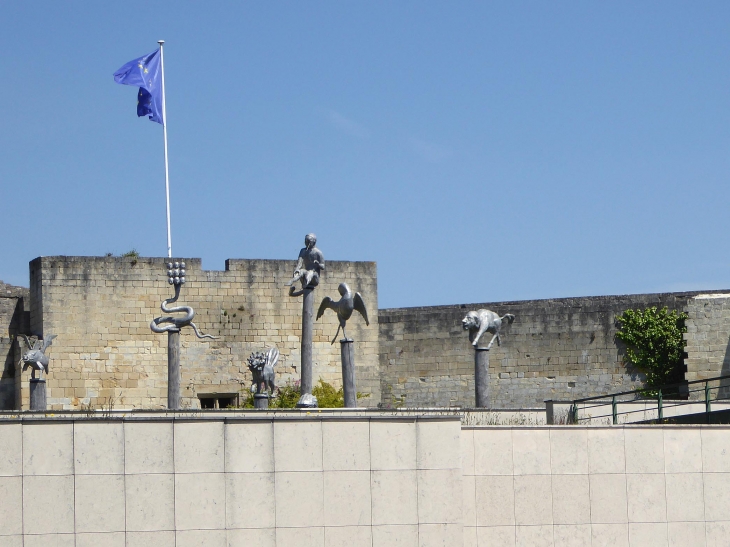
38 394
306 400
347 350
260 400
173 369
481 377
307 322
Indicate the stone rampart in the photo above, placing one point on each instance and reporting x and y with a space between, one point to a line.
556 349
708 336
14 320
105 354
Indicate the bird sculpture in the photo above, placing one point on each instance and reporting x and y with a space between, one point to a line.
344 308
36 357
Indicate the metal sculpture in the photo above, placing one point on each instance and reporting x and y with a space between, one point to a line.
344 308
477 323
35 358
481 321
309 265
176 276
262 366
172 326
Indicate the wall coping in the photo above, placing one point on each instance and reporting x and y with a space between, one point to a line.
565 300
227 415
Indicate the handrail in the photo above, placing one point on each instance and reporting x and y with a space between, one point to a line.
661 406
644 390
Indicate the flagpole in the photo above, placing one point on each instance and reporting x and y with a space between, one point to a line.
164 132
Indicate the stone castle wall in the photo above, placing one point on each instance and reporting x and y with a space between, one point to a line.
555 349
14 320
105 353
708 339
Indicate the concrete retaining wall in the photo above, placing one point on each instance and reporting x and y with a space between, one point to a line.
638 486
304 482
357 480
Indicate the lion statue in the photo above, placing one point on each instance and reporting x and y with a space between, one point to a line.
481 321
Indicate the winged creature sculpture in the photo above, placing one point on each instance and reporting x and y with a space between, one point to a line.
344 307
36 357
261 366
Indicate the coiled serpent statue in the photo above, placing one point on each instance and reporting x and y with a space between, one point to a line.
177 277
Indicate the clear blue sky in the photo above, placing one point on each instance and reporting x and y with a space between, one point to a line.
478 151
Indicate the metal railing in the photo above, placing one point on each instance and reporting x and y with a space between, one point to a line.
656 401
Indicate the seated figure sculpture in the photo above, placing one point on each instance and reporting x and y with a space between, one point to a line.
309 264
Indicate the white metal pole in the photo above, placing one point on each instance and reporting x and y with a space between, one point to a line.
164 132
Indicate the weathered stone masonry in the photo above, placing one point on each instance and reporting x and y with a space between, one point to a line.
708 336
105 354
556 349
100 309
14 320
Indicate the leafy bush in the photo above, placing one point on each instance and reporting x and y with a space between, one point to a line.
288 396
246 400
327 396
654 343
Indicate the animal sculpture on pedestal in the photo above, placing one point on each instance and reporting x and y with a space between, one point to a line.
344 308
35 357
262 367
481 321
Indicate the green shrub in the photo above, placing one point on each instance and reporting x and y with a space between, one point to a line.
327 396
654 343
246 401
288 396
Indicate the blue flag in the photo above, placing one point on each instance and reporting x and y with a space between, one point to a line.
145 73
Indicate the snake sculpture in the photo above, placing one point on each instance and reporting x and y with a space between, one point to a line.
176 323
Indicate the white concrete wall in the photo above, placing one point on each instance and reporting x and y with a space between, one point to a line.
361 480
638 486
218 483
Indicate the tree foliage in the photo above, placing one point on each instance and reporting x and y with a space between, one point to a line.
654 343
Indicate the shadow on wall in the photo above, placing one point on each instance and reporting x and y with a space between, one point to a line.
19 324
634 373
7 383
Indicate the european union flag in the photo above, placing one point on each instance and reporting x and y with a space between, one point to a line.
145 74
